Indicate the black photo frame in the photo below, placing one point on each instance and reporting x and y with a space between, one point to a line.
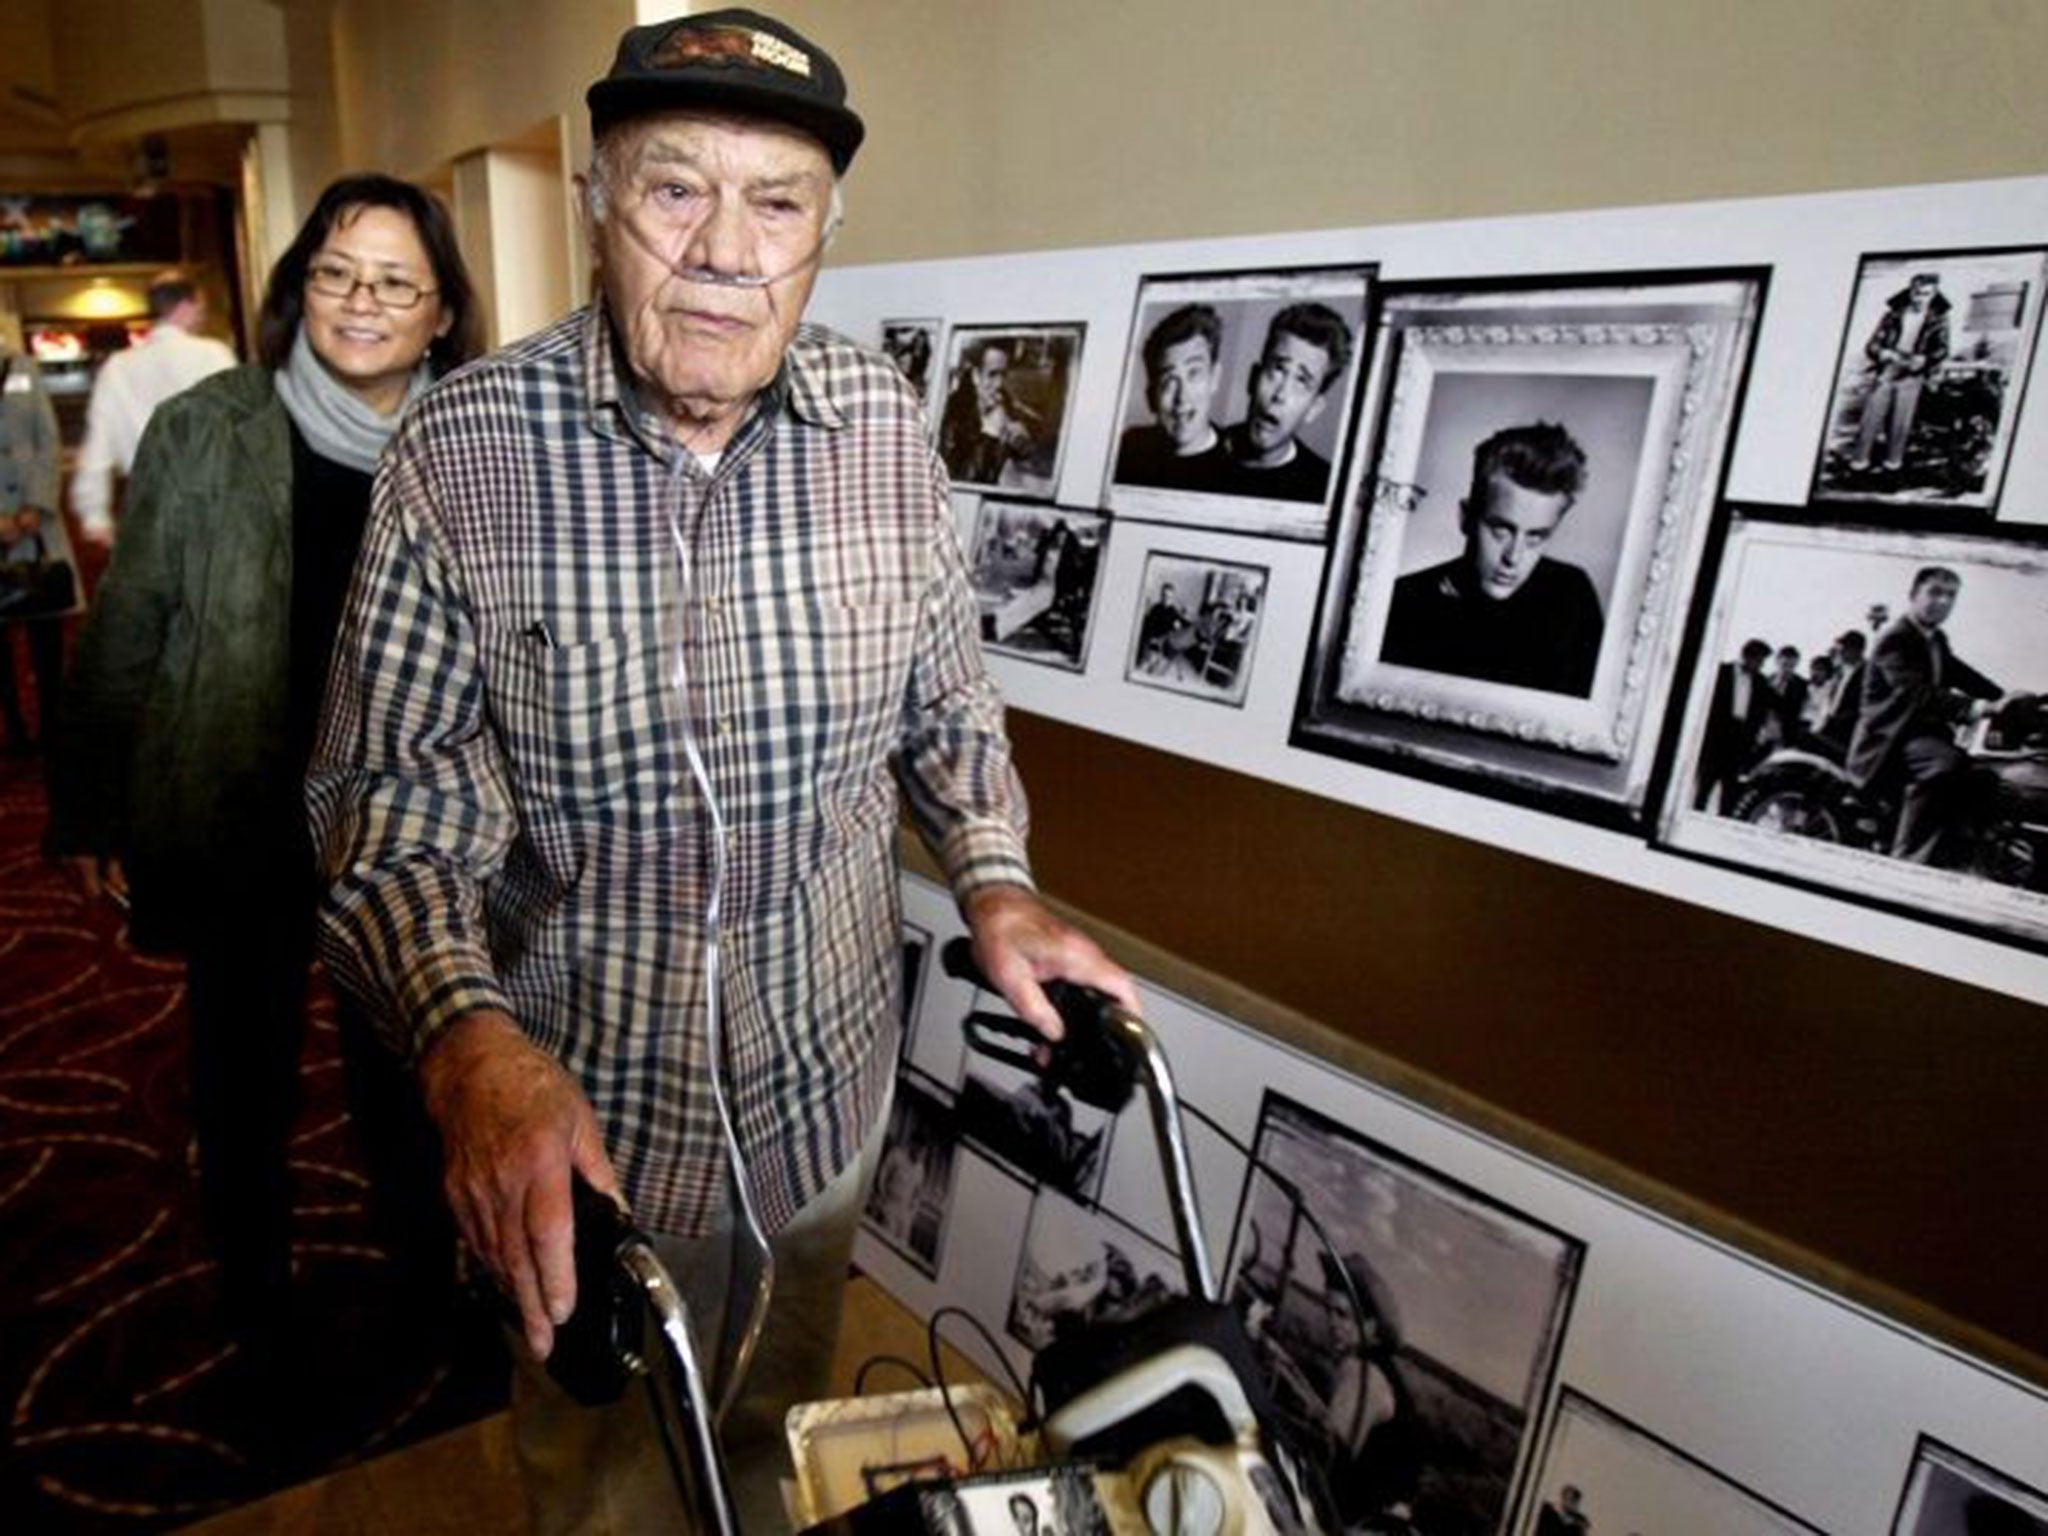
1455 1301
1081 1266
1621 1477
1643 373
1196 627
1263 367
1826 815
1036 570
1009 404
1951 1493
1927 395
909 1202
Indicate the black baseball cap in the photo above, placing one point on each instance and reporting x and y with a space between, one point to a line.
736 59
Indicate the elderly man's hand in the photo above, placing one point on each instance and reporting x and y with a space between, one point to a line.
513 1124
1019 944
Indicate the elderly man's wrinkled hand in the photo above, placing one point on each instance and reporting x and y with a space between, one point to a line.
513 1125
1019 945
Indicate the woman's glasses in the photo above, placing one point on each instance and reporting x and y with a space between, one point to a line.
338 280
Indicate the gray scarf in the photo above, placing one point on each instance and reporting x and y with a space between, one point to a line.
331 417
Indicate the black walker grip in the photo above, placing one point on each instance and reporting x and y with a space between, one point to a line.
1095 1062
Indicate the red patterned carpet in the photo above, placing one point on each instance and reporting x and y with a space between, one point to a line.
117 1384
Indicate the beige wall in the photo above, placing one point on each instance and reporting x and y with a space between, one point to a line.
421 84
1003 126
130 67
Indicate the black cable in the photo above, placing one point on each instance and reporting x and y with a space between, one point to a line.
860 1377
945 1387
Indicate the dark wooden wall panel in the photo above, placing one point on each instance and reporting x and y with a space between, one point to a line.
1885 1119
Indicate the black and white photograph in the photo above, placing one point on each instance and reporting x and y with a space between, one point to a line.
912 1192
1933 369
1196 626
913 346
1033 1126
1511 571
1082 1267
1951 1494
1009 393
1911 769
1236 404
1407 1324
1052 1501
1036 571
917 951
1602 1473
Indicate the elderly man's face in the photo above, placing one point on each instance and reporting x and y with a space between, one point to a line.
695 198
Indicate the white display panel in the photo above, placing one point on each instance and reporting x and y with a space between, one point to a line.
1816 252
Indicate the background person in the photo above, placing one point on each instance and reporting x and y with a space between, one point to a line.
1308 347
657 611
1180 448
194 701
35 572
1503 610
128 388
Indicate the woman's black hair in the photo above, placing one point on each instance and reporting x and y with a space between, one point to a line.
284 298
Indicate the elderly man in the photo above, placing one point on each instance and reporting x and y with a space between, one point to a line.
655 612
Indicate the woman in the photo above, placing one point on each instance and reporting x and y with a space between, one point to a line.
199 673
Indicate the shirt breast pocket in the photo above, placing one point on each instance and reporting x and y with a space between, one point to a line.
583 725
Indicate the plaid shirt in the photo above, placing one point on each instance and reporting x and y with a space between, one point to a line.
553 605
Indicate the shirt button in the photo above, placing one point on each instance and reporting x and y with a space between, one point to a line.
713 606
722 725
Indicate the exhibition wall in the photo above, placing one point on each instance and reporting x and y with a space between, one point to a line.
1874 1114
1527 1329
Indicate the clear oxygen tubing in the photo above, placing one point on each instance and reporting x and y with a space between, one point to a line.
747 1224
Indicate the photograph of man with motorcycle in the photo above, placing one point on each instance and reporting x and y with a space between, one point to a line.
1921 749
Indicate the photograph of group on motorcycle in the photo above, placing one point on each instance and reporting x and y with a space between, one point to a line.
1871 718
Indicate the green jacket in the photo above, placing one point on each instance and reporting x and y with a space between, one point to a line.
174 743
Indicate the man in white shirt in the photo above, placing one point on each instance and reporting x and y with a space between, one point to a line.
130 386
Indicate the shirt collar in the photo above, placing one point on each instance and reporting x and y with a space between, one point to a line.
617 402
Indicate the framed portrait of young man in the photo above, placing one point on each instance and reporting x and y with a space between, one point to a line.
1511 567
1933 369
1236 407
1009 398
